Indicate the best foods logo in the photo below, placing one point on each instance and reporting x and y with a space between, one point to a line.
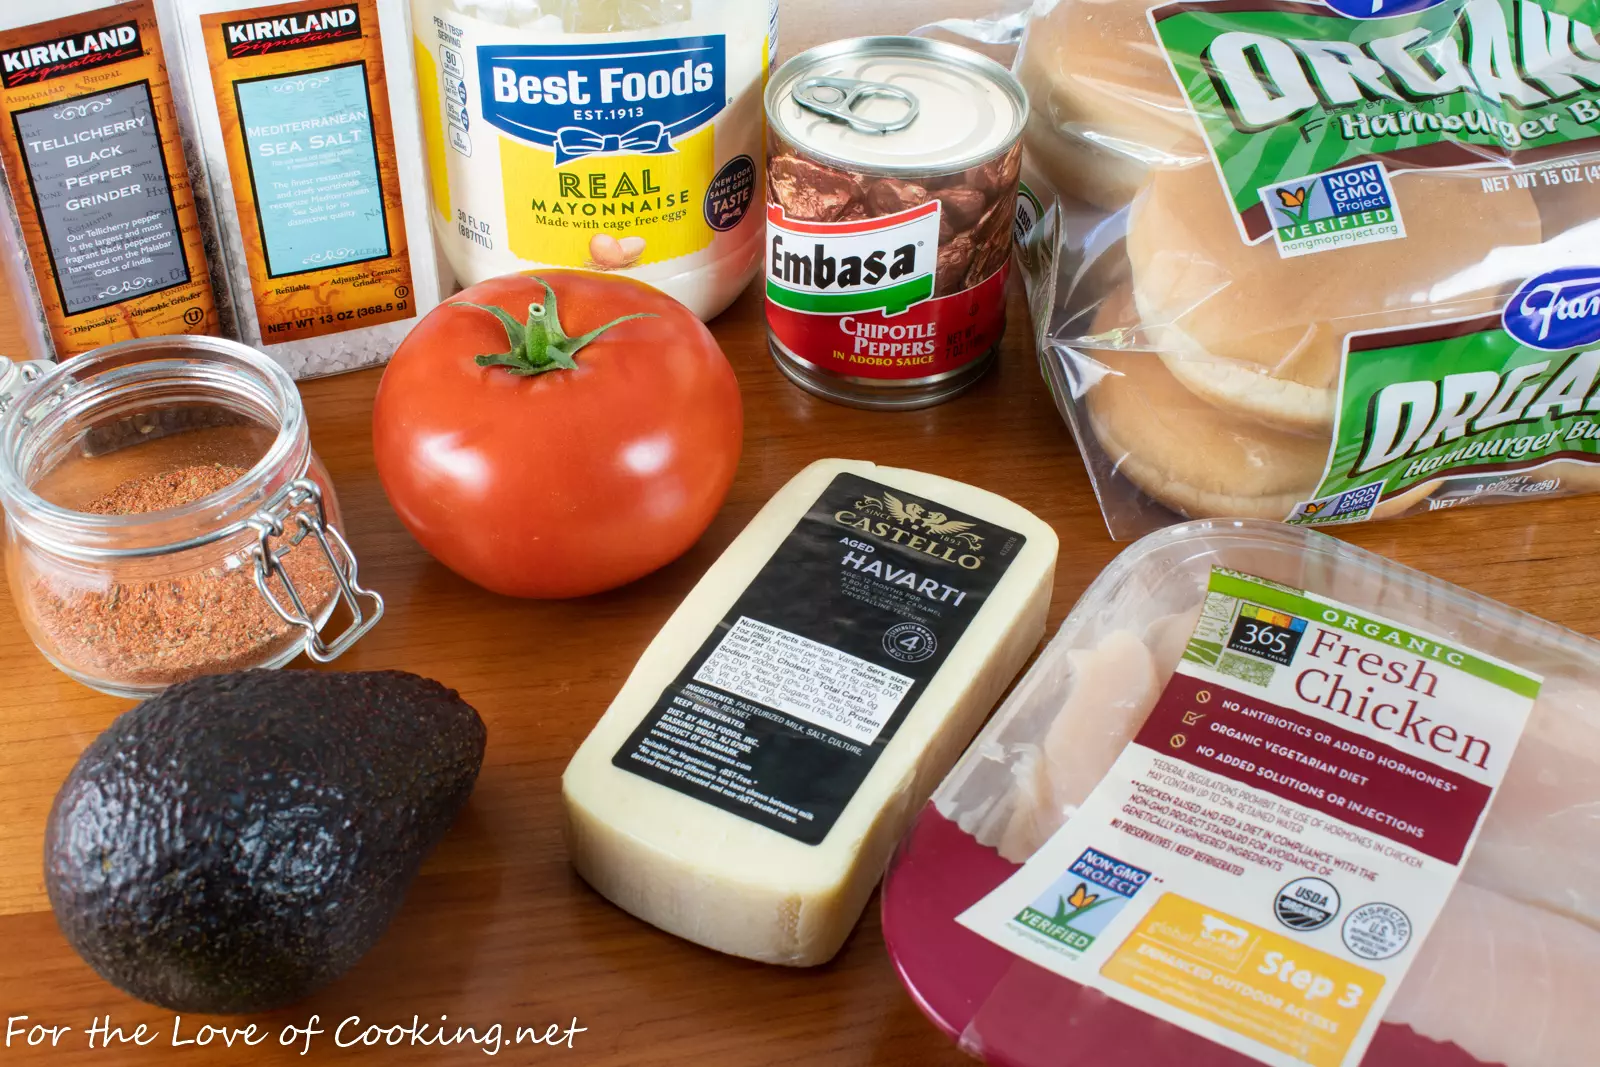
831 268
626 98
72 54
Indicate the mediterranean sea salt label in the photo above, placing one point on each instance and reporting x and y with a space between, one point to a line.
307 109
1262 863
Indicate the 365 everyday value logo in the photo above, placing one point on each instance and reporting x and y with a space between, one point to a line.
1556 310
830 268
629 98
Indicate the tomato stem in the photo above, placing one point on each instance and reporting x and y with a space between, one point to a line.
541 345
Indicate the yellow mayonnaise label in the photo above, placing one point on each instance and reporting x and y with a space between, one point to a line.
649 201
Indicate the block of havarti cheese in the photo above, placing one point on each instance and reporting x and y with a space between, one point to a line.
745 788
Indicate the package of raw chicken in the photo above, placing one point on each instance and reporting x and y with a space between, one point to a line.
1268 798
1319 261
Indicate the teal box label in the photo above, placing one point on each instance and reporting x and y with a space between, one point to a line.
314 169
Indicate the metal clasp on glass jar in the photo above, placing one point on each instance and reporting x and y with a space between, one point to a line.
166 516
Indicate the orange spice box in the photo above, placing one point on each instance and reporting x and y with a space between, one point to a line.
94 158
311 108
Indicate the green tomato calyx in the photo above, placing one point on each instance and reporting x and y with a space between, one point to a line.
541 345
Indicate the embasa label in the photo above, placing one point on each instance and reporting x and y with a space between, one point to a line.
1263 862
785 708
859 298
884 264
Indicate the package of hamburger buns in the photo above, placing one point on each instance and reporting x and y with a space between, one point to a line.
1317 261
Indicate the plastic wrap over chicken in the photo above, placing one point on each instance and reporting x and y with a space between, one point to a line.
1507 973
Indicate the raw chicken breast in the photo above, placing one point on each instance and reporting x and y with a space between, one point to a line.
1508 983
1113 689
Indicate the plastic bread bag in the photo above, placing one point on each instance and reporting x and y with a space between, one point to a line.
1229 869
1318 265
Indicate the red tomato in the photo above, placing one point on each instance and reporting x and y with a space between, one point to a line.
564 481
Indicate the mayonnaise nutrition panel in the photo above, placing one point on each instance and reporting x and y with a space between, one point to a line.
616 135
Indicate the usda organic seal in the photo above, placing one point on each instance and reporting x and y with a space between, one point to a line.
1377 931
1306 904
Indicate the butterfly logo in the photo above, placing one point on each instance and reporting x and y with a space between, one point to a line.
1312 509
1293 204
1081 897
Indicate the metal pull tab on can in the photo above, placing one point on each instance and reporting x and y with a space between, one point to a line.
301 502
836 98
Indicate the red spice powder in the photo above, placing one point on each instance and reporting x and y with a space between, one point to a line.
201 616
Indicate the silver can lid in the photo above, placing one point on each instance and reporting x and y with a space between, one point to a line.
896 105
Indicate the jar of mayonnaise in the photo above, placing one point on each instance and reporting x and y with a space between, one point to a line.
614 135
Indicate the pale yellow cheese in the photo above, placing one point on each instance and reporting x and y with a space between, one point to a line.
738 887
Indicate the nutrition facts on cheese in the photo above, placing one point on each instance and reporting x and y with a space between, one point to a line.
794 694
806 679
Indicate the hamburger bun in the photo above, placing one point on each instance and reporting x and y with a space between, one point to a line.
1192 457
1105 105
1195 458
1260 335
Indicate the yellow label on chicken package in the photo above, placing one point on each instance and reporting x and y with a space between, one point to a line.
1248 980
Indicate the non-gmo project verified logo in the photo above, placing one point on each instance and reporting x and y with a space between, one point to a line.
1080 904
1352 505
1335 209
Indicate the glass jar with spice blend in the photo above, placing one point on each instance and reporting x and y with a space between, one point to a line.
167 518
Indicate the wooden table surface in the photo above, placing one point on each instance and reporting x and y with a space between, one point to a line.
498 928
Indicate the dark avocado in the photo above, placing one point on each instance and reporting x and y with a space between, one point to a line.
242 839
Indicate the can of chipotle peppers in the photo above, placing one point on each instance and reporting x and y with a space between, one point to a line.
892 167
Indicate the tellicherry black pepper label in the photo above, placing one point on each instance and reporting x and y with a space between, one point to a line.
786 707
